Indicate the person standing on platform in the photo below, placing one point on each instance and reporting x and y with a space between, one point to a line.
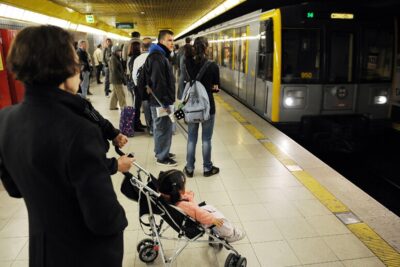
117 79
85 67
54 157
98 62
210 81
125 50
186 50
144 96
106 60
160 79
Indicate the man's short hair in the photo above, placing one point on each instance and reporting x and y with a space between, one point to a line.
135 34
99 46
81 42
146 45
188 40
34 56
163 33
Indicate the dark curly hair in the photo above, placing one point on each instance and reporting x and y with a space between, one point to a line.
170 183
43 55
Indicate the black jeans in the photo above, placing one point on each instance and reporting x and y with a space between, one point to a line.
99 68
138 105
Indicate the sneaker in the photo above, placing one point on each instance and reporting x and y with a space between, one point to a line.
167 162
170 155
214 170
236 236
188 173
113 108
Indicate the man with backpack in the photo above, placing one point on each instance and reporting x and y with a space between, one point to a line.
161 81
202 80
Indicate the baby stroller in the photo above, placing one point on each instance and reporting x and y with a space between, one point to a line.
151 204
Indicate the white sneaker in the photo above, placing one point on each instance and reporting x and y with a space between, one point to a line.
236 236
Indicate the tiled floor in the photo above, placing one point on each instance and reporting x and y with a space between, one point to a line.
285 224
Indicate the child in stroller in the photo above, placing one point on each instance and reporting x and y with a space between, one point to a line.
171 185
155 209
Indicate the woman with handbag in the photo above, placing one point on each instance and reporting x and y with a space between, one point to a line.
210 81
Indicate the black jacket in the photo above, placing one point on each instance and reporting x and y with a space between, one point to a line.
55 159
210 78
117 73
83 59
159 75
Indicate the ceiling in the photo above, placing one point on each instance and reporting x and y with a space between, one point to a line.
158 14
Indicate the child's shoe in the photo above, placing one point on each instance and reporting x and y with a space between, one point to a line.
236 236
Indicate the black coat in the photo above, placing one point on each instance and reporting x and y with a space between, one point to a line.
159 76
55 159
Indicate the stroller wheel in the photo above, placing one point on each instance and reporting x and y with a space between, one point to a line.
146 241
234 260
147 253
214 245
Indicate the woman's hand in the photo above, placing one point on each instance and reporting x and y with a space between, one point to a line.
218 222
120 140
125 163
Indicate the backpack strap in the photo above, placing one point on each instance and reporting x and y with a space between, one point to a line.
203 70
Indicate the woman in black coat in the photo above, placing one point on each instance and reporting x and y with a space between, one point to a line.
54 157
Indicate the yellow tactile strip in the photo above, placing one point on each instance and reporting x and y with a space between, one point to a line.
386 253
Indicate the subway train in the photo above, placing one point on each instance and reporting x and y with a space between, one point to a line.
299 65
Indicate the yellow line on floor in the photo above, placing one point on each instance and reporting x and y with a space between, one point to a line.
386 253
376 244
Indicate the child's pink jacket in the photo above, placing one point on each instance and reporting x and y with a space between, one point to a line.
192 209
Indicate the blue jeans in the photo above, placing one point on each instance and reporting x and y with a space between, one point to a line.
162 133
207 128
106 80
85 83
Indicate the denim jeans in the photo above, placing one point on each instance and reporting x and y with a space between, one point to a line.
207 128
106 80
147 115
85 83
162 133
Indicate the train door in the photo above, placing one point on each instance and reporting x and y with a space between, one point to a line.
5 97
241 61
339 93
17 89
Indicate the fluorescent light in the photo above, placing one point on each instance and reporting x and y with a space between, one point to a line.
380 100
11 12
228 4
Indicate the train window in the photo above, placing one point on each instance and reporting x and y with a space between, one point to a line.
265 53
341 57
227 49
300 55
210 52
377 55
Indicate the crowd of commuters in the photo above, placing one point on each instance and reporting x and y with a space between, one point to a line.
75 220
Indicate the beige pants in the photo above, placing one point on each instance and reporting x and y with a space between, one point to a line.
118 96
226 230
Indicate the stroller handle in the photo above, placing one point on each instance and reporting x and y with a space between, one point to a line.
121 153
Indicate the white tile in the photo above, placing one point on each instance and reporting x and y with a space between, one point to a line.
15 228
252 212
234 184
24 253
297 193
282 210
271 195
11 247
326 264
347 247
243 197
312 250
294 228
5 263
198 257
262 231
311 207
20 263
364 262
327 225
211 184
276 253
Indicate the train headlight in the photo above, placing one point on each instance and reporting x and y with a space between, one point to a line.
380 100
294 97
289 101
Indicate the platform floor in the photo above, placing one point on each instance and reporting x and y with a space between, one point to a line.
286 224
